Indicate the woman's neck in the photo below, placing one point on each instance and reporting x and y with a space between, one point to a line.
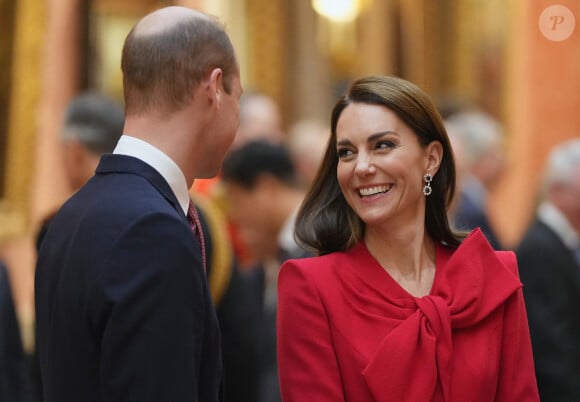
408 255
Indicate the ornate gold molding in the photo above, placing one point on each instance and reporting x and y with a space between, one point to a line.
267 36
22 124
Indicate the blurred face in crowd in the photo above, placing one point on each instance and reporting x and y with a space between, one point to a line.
567 198
249 209
491 165
381 165
80 163
260 119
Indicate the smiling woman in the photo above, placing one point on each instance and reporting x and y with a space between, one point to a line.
389 114
381 164
397 306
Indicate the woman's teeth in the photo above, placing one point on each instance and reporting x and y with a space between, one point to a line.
373 190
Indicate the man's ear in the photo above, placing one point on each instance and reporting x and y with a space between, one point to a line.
433 157
215 87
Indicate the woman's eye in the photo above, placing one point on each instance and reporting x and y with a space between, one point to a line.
385 144
343 153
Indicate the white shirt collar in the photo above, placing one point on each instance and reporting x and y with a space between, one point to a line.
555 220
159 161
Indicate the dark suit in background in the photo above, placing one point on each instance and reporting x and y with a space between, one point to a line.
234 297
14 383
471 214
551 278
262 280
124 312
549 261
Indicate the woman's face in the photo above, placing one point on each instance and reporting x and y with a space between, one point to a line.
381 165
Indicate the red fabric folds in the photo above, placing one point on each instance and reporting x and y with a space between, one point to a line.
421 346
347 331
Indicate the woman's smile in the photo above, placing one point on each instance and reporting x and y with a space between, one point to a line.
374 190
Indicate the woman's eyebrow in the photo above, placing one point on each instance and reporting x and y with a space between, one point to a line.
376 136
372 137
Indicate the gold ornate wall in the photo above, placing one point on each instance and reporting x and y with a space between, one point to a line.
542 102
23 122
22 117
268 47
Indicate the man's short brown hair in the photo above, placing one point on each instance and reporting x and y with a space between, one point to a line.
162 69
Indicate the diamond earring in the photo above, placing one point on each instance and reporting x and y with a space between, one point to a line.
427 188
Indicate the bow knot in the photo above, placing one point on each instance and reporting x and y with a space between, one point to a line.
436 315
420 347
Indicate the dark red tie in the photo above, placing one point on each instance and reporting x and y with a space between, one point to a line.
194 222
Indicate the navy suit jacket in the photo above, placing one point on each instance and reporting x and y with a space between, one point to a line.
123 308
263 323
551 278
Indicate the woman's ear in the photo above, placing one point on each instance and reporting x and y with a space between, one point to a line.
433 157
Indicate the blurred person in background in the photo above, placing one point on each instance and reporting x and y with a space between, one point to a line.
260 118
14 373
232 295
460 163
480 139
92 125
549 259
263 196
307 141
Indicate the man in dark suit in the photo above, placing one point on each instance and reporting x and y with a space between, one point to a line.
124 312
263 195
549 261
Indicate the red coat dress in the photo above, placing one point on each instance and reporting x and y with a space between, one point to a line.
347 331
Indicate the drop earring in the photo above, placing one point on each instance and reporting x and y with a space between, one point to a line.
427 188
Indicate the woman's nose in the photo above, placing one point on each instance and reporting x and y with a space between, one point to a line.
364 165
